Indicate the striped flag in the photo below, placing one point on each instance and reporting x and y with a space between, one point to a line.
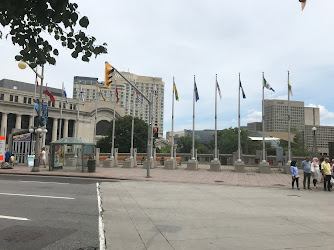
139 98
176 94
36 79
220 94
196 92
101 94
242 91
289 88
48 93
64 91
267 85
117 95
82 95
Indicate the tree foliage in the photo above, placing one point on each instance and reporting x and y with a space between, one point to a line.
297 146
123 136
28 21
184 145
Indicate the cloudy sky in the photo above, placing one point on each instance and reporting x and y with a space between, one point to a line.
203 38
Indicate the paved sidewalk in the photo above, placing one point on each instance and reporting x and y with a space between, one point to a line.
226 177
161 215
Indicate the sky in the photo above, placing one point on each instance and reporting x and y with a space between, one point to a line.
204 38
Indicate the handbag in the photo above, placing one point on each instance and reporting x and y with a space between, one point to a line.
297 176
332 181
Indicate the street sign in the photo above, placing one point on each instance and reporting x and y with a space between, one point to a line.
2 147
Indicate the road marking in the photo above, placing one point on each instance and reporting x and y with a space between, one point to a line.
39 196
60 183
12 218
101 225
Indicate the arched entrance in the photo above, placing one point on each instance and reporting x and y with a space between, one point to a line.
102 128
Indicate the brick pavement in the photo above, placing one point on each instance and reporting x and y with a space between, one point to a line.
226 177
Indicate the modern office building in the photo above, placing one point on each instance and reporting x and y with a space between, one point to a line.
146 84
303 119
17 103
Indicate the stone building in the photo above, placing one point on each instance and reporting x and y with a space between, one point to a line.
16 112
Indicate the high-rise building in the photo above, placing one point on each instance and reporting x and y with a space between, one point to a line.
146 84
303 119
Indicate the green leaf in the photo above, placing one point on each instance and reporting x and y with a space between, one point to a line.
55 52
84 22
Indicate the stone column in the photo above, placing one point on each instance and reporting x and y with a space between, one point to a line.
4 124
74 128
18 121
54 129
65 128
31 118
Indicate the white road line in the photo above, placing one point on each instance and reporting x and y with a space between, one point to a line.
39 196
12 218
101 225
60 183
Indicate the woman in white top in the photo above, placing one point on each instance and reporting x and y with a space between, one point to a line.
315 171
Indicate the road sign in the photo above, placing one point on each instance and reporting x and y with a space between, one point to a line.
2 147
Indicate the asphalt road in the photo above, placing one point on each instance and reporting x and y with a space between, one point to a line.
48 213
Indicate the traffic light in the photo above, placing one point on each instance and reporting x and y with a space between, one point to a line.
155 132
108 70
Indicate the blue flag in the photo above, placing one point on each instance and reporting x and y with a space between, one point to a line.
196 92
65 95
242 90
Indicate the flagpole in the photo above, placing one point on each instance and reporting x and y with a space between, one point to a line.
78 113
113 125
239 144
263 141
61 110
133 122
97 90
193 146
172 146
33 109
216 153
289 123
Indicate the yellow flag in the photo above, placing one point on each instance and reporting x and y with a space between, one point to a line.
101 94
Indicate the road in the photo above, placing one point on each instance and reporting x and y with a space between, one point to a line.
48 213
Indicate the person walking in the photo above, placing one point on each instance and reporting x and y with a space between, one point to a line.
326 170
315 170
294 174
43 157
321 160
306 166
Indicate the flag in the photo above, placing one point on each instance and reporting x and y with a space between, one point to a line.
242 91
82 95
289 88
303 2
52 99
196 92
64 91
101 94
176 94
139 97
220 94
267 85
117 95
36 79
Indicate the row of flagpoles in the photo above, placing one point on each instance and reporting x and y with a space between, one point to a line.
265 84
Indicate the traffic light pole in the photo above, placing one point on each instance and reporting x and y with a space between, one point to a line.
150 127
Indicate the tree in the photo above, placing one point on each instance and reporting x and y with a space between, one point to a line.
29 20
185 144
123 136
227 140
297 146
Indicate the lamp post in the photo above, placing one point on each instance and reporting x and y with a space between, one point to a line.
314 142
23 65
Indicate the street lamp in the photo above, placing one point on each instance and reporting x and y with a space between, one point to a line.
314 141
23 65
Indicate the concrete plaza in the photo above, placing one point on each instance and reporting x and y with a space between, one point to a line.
166 215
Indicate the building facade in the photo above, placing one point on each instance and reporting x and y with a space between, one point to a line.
146 84
303 119
17 104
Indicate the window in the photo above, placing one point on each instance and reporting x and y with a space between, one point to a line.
16 98
49 103
53 104
64 105
59 105
2 97
24 99
74 106
11 98
29 100
71 106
